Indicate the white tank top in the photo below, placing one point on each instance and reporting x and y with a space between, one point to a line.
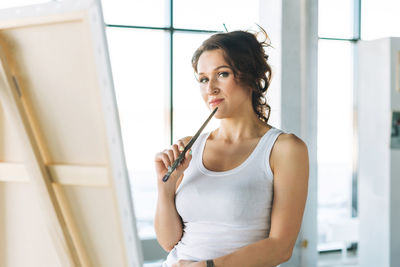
224 211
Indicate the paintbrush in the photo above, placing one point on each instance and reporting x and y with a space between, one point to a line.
187 147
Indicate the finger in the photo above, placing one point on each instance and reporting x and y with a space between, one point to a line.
170 154
187 159
159 157
188 156
175 150
165 159
181 145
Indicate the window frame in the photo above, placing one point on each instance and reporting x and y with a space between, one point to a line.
354 40
170 30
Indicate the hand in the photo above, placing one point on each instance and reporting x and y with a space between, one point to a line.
186 263
165 159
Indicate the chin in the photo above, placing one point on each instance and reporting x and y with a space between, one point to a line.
219 115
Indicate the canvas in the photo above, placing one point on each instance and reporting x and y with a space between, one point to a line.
65 197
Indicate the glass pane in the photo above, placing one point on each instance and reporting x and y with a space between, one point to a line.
138 62
380 19
210 14
335 131
336 18
139 13
20 3
189 109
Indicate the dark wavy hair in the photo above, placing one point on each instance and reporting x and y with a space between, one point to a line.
245 54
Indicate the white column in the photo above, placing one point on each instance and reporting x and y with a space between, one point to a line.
293 28
379 164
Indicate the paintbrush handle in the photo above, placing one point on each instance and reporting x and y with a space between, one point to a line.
174 166
188 146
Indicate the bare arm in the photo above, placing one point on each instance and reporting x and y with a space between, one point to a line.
167 222
289 162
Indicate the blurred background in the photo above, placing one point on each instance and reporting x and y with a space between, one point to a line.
151 43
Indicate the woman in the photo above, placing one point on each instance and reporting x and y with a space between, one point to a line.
238 197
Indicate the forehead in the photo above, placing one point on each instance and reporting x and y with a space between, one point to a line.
209 60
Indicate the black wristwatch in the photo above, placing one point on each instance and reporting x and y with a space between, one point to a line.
210 263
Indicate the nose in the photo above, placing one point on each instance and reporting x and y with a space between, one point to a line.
212 87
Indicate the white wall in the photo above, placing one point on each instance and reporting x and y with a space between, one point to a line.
379 166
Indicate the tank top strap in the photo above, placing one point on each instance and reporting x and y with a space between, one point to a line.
268 142
197 147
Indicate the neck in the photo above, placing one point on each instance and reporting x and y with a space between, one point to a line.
239 128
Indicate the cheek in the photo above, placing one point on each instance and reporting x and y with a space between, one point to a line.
238 92
233 88
203 93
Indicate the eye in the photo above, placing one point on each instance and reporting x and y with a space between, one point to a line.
203 80
223 74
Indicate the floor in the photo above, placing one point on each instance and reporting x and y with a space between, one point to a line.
153 264
336 259
325 259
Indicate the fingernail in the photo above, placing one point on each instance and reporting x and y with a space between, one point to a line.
190 152
181 148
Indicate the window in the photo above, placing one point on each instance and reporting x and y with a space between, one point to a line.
189 108
336 19
138 60
211 15
380 19
335 137
17 3
151 44
139 13
337 181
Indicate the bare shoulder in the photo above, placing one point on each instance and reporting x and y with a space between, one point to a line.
289 143
288 149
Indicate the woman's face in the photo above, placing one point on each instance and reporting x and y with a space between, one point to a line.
218 85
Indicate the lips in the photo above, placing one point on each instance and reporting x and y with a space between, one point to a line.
215 102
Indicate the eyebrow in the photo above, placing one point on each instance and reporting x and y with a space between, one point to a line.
217 68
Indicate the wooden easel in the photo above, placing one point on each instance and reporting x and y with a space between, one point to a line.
61 143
